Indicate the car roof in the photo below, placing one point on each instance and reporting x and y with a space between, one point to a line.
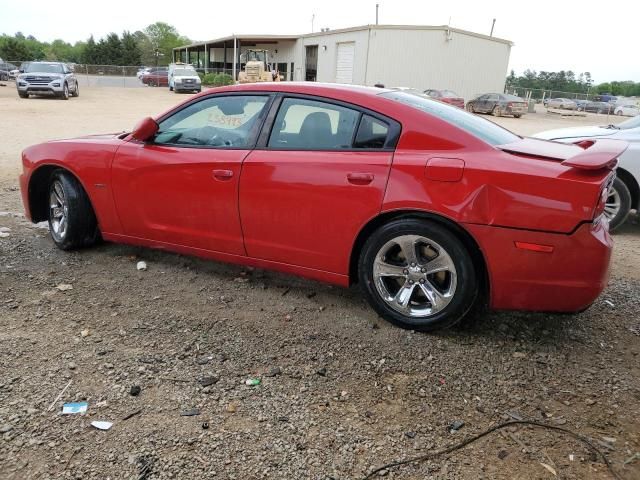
311 88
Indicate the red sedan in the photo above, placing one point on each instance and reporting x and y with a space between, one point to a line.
156 77
446 96
429 208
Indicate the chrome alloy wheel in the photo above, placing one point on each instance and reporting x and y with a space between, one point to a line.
612 205
415 276
58 211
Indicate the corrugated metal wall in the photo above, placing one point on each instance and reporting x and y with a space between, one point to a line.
327 58
415 57
423 59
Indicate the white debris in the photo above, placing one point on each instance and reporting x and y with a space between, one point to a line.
141 265
100 425
64 286
610 303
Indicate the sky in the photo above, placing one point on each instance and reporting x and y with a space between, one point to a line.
547 35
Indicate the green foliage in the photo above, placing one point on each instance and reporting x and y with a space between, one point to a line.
216 79
624 89
208 79
562 81
222 79
158 41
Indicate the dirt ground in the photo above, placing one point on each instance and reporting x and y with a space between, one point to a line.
341 391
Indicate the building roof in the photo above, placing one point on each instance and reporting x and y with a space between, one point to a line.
275 38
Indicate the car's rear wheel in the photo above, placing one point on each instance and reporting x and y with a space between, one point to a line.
72 221
417 275
618 204
517 115
497 111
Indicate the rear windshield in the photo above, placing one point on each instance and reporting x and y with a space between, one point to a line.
449 94
43 68
477 126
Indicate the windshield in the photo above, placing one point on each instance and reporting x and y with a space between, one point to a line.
449 94
183 72
44 68
633 122
483 129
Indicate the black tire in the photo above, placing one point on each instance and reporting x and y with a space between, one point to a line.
517 115
81 228
76 91
23 95
470 108
625 204
466 290
497 111
65 92
170 88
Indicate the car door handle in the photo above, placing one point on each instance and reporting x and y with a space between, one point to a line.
222 174
360 178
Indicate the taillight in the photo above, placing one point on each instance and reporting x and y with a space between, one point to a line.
510 105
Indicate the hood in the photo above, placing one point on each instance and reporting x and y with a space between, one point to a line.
43 74
575 133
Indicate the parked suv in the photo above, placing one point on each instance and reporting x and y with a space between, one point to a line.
47 78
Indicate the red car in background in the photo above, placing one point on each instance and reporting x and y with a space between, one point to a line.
446 96
156 77
429 208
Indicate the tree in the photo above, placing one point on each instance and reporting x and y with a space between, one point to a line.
90 53
161 39
12 49
131 54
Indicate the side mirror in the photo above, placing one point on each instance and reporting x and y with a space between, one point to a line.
145 129
21 70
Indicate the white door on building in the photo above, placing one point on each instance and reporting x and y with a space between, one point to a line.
344 62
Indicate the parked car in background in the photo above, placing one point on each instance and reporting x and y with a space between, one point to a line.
605 97
624 195
580 103
563 103
141 71
596 107
627 110
427 228
446 96
185 80
7 71
498 104
156 77
47 78
184 68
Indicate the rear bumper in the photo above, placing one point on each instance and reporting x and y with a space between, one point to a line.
569 279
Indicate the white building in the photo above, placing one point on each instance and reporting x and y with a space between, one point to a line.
420 57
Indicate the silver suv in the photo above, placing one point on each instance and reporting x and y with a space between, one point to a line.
47 78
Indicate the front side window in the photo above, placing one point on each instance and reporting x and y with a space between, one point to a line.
216 122
312 125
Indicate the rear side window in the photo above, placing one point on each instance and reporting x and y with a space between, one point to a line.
483 129
372 133
312 125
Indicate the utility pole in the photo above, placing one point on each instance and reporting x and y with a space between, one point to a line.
377 6
492 25
313 17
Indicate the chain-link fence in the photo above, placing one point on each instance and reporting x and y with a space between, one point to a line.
128 76
539 95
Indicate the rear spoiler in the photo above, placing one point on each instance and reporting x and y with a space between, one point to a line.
601 153
595 154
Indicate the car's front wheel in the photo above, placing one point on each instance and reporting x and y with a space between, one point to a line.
76 90
72 221
618 204
470 108
497 111
418 275
23 95
65 92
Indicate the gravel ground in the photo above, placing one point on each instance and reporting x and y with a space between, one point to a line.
341 391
